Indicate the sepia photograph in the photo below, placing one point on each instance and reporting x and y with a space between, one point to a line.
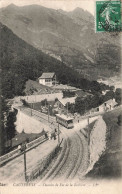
60 96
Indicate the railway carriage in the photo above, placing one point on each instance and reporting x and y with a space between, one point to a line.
65 120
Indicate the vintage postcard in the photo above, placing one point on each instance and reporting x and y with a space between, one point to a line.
60 96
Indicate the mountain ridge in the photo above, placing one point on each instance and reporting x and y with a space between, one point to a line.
68 36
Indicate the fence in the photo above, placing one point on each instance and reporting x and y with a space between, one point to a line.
29 146
35 142
32 174
8 156
16 152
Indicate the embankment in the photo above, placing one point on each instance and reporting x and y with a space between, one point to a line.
109 165
97 142
29 124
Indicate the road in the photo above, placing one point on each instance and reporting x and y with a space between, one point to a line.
14 170
72 162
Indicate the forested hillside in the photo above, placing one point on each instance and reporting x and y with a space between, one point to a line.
20 62
68 36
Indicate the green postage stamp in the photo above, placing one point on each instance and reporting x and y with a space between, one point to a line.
108 16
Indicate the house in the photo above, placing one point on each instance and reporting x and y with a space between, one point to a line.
62 103
106 106
110 104
47 79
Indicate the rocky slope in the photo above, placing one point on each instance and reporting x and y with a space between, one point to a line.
68 36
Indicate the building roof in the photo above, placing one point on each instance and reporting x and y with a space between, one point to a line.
47 75
81 93
67 118
64 101
65 87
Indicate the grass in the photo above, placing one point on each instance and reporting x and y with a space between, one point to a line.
109 165
33 87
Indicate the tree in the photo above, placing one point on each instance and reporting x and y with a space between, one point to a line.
118 94
68 93
79 106
3 113
71 107
10 126
112 88
95 87
44 102
109 95
119 120
94 101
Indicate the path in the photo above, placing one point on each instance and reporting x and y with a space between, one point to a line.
72 162
14 170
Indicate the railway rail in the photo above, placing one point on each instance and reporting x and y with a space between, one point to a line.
73 159
41 116
61 159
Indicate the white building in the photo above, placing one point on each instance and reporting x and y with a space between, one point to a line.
106 106
48 79
62 103
110 104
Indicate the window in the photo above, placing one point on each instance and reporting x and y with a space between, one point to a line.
48 80
70 121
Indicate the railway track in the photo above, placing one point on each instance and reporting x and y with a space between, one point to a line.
78 162
85 160
71 165
72 161
60 160
41 116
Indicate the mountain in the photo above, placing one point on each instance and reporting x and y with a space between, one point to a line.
81 16
66 36
21 62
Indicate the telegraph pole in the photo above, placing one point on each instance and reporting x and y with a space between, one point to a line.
67 109
58 135
48 113
23 148
88 132
31 109
25 165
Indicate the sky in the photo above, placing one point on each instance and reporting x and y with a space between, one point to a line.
66 5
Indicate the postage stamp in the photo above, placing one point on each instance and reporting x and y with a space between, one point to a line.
108 16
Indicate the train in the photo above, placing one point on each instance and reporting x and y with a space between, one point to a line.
65 120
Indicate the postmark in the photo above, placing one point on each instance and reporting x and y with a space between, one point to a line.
108 16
